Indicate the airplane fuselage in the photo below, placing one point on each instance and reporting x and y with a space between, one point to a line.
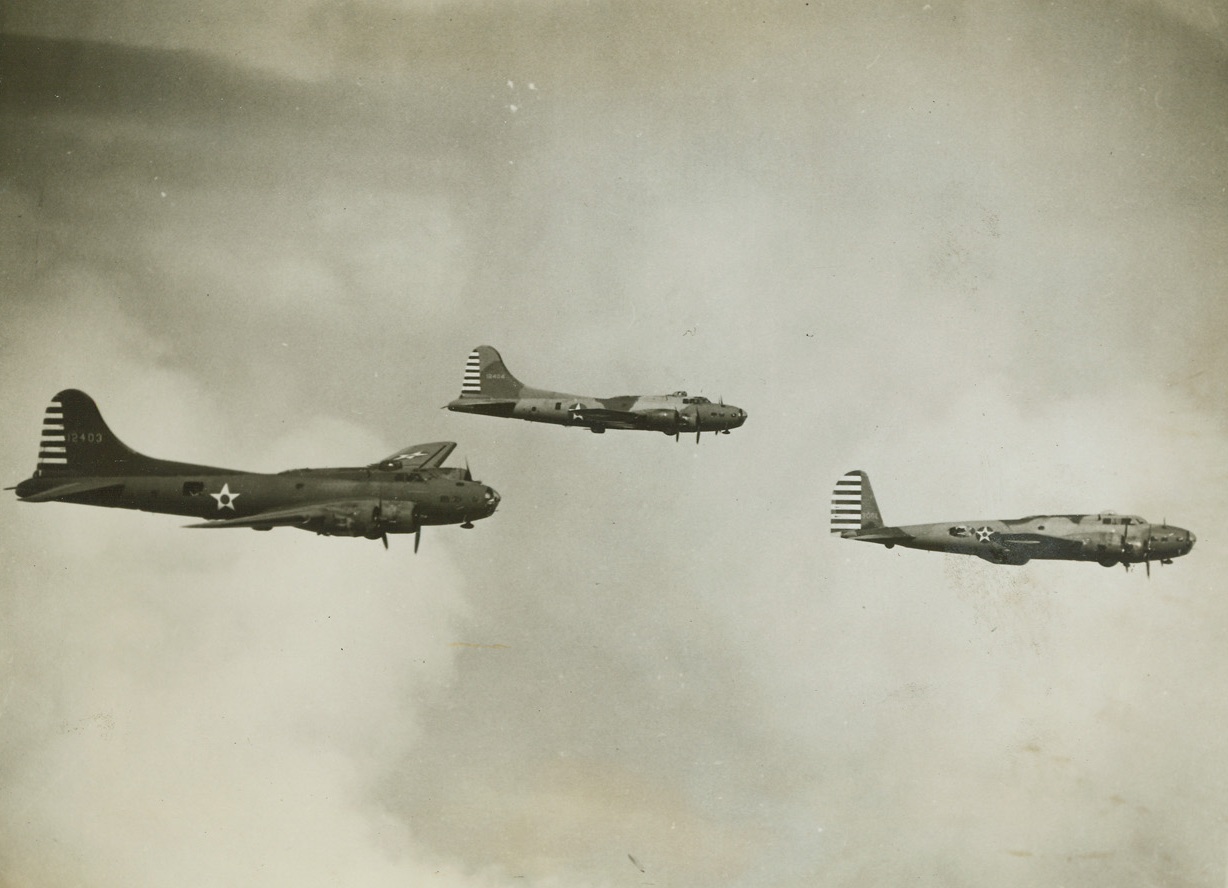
404 500
670 414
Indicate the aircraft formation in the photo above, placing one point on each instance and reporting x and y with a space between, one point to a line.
80 460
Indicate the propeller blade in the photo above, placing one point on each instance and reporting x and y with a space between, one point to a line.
1148 564
384 537
417 538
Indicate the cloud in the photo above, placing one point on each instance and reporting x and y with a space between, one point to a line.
219 707
966 250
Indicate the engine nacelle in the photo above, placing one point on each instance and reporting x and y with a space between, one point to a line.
352 521
396 518
664 420
371 519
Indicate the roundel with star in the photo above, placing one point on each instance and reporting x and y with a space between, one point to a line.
225 499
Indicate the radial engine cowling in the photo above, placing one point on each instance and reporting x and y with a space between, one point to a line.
396 518
356 520
667 421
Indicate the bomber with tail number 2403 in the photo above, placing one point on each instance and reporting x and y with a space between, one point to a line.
490 389
1106 537
81 461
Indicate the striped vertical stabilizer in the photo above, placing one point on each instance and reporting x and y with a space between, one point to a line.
853 507
76 441
486 376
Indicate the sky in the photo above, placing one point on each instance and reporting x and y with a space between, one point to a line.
976 250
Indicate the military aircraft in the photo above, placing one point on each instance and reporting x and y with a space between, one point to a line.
1107 538
489 388
81 461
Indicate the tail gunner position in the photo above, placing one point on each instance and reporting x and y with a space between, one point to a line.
1106 538
81 461
489 388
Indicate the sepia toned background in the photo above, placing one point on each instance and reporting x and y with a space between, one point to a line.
977 250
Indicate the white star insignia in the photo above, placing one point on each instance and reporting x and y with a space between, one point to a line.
983 534
225 499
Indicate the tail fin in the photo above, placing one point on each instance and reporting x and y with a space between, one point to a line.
76 441
853 507
486 376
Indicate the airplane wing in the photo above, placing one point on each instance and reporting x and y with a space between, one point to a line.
419 456
294 517
614 419
1036 544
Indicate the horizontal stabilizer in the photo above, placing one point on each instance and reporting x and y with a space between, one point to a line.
886 535
75 488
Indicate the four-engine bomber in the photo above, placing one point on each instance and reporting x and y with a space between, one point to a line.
1106 538
81 461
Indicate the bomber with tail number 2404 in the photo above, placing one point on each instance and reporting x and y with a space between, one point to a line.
1106 538
490 389
81 461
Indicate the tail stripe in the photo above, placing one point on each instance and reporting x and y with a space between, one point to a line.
846 504
53 447
471 384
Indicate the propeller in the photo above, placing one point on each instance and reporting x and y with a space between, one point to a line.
377 521
1144 550
417 538
694 415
